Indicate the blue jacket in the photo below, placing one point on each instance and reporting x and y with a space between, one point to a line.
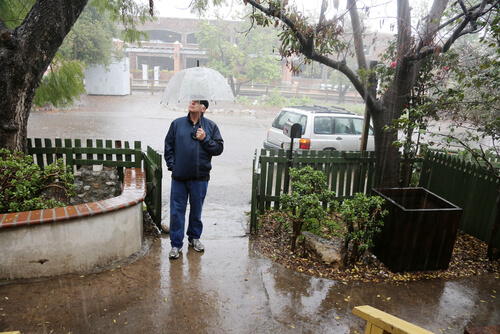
191 159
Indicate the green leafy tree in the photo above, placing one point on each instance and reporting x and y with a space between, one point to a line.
459 88
31 33
240 54
419 114
90 41
435 34
467 98
62 84
91 38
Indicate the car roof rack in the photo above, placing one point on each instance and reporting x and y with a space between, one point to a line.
323 109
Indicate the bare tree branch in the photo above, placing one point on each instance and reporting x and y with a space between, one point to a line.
357 33
307 46
430 26
470 16
306 42
321 21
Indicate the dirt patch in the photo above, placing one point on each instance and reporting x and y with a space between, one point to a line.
468 259
57 193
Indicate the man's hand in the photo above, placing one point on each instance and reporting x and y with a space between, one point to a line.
200 133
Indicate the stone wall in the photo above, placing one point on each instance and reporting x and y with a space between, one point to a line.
96 183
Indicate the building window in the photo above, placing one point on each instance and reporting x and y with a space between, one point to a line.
191 39
164 36
165 63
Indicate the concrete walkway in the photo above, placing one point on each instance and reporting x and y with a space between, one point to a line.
231 289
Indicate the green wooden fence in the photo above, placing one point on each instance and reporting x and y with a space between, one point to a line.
466 185
112 153
463 183
347 173
99 152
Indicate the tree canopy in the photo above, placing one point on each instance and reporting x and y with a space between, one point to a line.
240 54
322 41
419 53
31 34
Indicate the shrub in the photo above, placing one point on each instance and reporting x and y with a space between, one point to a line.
24 186
306 205
362 218
244 100
302 101
275 99
311 206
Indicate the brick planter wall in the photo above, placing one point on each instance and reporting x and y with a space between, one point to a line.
74 238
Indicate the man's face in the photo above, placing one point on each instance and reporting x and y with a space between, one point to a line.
195 106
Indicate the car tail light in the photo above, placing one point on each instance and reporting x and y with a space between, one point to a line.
304 143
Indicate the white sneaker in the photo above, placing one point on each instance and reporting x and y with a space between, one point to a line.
197 245
174 253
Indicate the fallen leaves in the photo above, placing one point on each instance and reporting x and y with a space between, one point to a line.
468 259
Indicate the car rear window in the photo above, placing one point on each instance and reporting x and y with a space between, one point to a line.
286 116
358 126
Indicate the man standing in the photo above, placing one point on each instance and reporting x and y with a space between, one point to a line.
190 144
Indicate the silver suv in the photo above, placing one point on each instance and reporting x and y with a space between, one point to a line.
323 128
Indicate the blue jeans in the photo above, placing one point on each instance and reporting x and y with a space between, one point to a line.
180 192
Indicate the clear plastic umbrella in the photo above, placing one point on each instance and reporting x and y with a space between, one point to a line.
197 83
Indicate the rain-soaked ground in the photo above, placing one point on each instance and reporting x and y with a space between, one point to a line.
228 288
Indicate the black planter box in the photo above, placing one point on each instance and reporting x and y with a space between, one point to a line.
419 231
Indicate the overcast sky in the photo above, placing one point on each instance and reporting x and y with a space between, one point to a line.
180 8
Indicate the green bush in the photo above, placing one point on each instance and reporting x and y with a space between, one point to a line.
306 205
302 101
244 100
275 99
311 206
362 218
24 186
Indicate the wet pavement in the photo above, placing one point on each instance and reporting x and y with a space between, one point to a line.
229 288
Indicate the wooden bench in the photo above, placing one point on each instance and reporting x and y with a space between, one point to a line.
380 322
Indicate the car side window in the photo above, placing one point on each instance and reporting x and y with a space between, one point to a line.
323 125
342 126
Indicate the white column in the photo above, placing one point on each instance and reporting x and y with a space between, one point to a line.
156 74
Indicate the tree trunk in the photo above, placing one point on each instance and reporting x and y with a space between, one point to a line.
386 154
393 103
25 54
